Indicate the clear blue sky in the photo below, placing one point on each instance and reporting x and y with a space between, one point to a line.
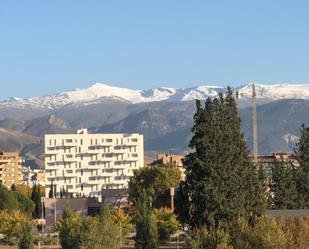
54 45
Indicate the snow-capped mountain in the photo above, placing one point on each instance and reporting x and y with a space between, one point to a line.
101 92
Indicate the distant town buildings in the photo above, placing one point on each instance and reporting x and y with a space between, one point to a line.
266 161
83 164
33 176
10 169
168 158
164 159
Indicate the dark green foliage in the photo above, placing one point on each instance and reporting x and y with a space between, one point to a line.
264 181
36 198
146 228
221 180
284 176
7 199
157 181
70 230
25 204
302 151
98 232
182 203
13 200
25 239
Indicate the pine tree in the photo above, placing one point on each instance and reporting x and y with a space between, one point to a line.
302 152
284 186
221 180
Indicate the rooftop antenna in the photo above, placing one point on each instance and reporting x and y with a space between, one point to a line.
254 125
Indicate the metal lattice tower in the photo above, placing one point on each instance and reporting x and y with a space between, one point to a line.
254 125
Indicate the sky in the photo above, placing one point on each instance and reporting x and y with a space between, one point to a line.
53 45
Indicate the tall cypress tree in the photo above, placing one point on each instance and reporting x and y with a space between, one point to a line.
221 180
302 152
51 191
36 198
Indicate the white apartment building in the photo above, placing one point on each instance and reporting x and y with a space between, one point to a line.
84 163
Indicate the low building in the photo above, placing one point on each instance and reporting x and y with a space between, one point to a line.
10 168
168 158
266 161
165 159
54 208
33 176
116 198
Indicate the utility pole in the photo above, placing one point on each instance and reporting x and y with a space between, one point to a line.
254 125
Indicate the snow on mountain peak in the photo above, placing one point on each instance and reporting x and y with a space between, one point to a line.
98 92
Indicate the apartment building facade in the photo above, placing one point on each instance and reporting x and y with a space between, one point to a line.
10 169
83 164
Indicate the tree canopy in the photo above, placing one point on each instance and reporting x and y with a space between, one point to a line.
221 179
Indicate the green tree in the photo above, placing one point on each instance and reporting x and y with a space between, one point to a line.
11 222
25 204
36 198
302 152
221 180
109 231
13 200
99 232
25 239
167 223
146 228
157 181
7 199
69 230
284 185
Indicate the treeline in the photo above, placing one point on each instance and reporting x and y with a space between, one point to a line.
23 198
225 195
289 184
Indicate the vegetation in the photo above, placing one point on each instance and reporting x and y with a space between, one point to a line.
11 224
25 239
167 223
267 233
284 189
36 198
123 220
157 181
302 151
13 200
100 232
145 224
221 180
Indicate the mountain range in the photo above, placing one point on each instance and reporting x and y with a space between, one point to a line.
164 115
99 93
